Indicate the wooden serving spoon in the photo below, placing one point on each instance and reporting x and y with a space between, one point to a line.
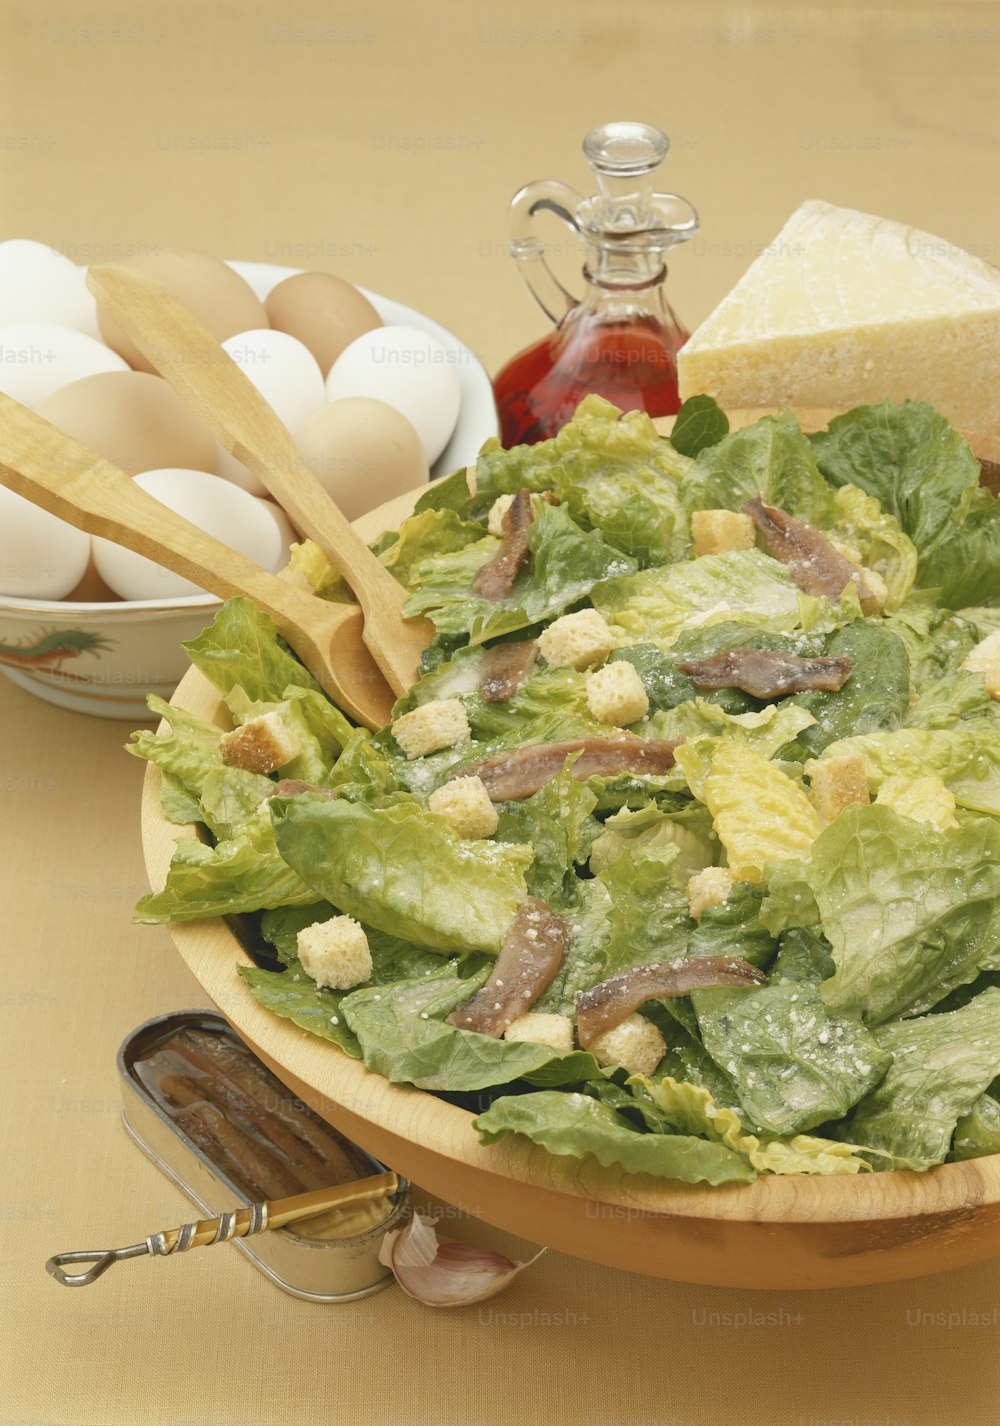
56 472
185 353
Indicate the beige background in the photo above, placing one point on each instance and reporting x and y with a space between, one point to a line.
383 141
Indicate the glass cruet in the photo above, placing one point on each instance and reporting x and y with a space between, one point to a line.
621 337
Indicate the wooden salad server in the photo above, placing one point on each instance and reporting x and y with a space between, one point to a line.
238 1223
185 353
56 472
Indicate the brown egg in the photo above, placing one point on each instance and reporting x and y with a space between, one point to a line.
214 292
324 312
134 420
363 451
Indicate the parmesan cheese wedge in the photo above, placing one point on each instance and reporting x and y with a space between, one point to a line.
845 308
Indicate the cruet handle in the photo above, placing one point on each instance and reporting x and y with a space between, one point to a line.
528 250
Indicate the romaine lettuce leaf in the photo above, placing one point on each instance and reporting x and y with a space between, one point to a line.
965 757
978 1132
941 1064
551 822
910 459
690 1109
578 1125
771 458
241 873
187 754
566 563
876 695
614 472
292 995
936 641
910 912
964 565
320 729
242 646
950 701
403 871
794 1064
860 523
743 586
649 829
760 814
403 1036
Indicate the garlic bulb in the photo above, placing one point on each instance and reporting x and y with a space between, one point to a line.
445 1273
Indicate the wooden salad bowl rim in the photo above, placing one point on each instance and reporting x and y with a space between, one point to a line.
794 1232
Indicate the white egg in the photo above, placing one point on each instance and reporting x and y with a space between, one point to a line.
289 534
41 557
215 506
287 375
407 369
39 284
38 358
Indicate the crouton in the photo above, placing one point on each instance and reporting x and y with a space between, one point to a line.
636 1044
836 783
708 887
439 723
556 1031
465 805
616 694
577 640
261 744
498 510
335 953
714 532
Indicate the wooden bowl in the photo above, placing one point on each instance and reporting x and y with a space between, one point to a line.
774 1233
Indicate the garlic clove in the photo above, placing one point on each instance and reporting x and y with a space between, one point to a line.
445 1273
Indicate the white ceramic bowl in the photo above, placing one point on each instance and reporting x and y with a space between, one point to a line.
104 658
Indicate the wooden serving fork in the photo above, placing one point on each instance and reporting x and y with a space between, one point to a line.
185 353
56 472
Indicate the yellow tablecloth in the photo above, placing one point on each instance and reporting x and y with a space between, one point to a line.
383 141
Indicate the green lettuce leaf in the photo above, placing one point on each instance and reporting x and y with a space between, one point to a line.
964 565
320 730
794 1064
552 823
403 1036
566 563
647 830
186 754
909 458
614 472
771 458
860 523
292 995
877 694
242 646
578 1125
965 757
978 1132
660 604
239 874
936 641
403 871
941 1064
699 423
910 912
950 701
690 1109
